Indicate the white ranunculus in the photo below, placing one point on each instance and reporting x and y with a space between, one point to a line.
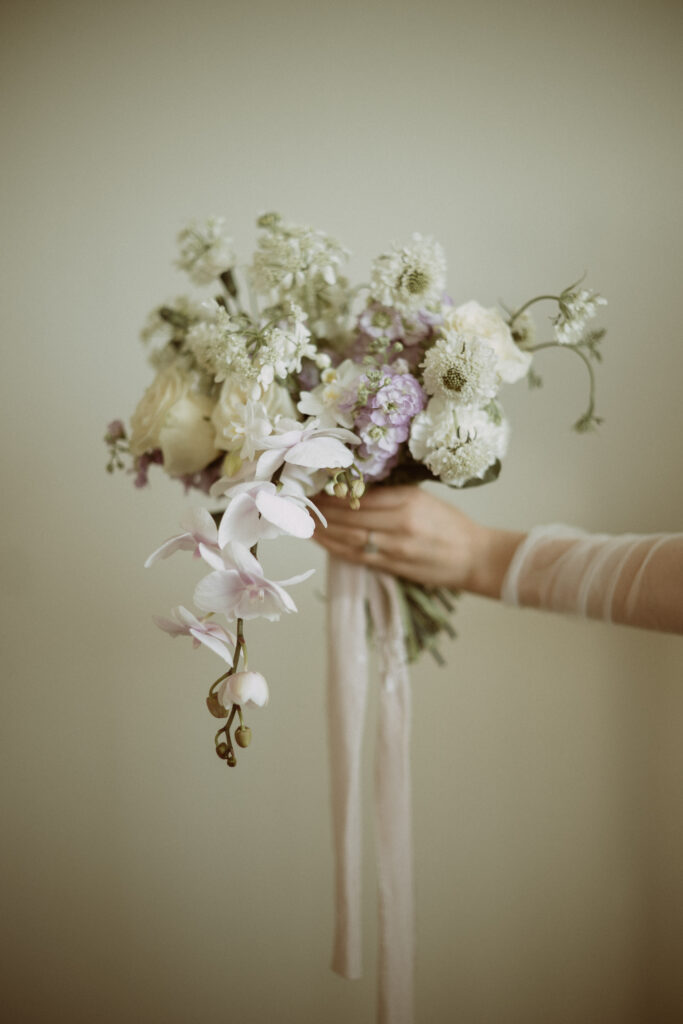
175 417
489 326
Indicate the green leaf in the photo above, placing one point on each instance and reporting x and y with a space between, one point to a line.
491 474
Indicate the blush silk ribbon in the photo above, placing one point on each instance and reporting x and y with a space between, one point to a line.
350 590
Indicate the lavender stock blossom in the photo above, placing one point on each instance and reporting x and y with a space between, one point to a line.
392 399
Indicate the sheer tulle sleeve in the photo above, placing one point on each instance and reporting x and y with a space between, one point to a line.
632 579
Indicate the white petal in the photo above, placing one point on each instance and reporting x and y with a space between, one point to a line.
199 522
296 579
240 522
212 557
246 688
213 643
285 514
181 542
268 462
319 453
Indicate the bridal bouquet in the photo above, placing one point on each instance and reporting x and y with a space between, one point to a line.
279 379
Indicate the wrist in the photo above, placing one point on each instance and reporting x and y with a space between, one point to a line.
491 553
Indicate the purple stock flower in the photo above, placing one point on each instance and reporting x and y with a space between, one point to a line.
383 423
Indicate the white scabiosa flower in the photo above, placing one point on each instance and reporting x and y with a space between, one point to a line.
576 309
457 443
462 368
206 252
410 277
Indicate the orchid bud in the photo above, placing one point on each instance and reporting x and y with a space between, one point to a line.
223 751
341 489
354 503
243 736
357 489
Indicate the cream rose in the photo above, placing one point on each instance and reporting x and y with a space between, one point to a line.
175 417
488 324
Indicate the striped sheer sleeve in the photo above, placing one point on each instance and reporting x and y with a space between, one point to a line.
632 579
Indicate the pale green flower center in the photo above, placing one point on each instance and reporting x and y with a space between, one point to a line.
415 281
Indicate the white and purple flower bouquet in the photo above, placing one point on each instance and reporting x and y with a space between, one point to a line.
278 379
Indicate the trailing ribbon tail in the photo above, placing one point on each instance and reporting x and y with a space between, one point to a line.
349 587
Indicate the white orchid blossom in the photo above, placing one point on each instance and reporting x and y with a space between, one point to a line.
198 528
202 631
310 445
259 511
238 588
248 689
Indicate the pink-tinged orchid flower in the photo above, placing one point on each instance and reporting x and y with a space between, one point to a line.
198 528
248 689
204 632
310 445
259 511
239 590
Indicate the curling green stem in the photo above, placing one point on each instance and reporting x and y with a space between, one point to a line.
591 375
522 309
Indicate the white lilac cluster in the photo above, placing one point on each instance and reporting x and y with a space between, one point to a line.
206 251
576 309
410 277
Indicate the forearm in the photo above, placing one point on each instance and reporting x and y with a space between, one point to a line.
632 579
492 551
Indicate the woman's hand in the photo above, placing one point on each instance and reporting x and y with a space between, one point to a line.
410 533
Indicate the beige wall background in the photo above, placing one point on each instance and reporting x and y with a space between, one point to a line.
141 880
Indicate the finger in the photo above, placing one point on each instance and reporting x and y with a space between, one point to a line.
372 560
374 497
348 536
388 520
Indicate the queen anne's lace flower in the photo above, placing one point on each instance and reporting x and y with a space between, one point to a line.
206 252
218 344
283 347
463 368
301 265
576 309
411 277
